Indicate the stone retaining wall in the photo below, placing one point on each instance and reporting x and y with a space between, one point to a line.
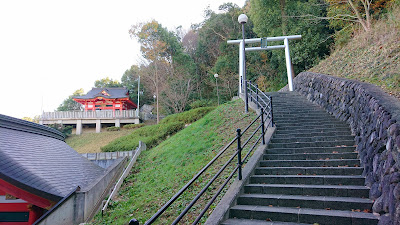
374 118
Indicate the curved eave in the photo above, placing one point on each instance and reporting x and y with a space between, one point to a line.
32 195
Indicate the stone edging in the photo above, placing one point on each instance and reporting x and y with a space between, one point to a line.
374 118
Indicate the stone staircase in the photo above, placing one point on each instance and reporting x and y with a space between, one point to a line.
309 174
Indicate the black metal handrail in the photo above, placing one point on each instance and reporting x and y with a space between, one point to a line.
254 94
262 117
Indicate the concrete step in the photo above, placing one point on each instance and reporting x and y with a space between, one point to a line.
311 156
308 170
311 190
308 179
311 144
314 202
310 127
311 134
303 215
257 222
310 163
333 150
312 139
296 131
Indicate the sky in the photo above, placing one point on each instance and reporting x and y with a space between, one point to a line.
51 48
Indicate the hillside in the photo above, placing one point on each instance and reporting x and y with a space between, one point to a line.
92 142
164 169
372 57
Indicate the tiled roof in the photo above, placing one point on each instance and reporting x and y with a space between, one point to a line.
41 164
113 93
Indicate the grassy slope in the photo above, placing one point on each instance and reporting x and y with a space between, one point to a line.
372 57
163 170
92 142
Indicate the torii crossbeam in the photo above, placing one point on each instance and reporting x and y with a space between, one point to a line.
285 45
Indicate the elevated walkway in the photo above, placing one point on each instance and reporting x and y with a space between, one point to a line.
309 174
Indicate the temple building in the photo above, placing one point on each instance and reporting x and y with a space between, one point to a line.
106 99
102 107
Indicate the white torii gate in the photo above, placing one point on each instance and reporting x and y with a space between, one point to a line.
285 45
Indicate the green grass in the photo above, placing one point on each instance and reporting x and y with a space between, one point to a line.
371 57
154 134
164 169
92 142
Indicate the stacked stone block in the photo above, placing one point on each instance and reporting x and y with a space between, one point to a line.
374 118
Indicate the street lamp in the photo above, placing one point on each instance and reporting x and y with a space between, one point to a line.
216 83
242 19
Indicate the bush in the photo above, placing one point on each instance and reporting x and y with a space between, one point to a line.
151 135
66 130
113 128
133 126
201 103
188 116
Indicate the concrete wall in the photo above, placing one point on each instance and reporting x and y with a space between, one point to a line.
374 118
82 205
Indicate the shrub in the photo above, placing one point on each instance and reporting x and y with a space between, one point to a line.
113 128
66 130
201 103
188 116
151 135
133 126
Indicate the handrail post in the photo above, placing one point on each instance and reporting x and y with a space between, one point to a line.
258 106
239 154
246 100
251 91
272 115
262 126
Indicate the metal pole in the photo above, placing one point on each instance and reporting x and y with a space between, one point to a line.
288 64
244 72
258 106
239 154
216 83
262 126
272 114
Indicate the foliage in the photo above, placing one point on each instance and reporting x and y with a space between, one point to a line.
66 130
202 103
107 83
69 104
188 116
33 120
151 135
270 20
92 142
370 56
133 126
161 171
113 128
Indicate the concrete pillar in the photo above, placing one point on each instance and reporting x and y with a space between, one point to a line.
117 123
78 127
98 126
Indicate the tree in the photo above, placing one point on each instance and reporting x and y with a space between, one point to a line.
269 20
34 120
107 83
69 104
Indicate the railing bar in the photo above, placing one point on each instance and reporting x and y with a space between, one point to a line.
252 148
203 190
252 135
215 196
159 212
251 124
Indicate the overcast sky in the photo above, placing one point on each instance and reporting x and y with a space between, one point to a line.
50 48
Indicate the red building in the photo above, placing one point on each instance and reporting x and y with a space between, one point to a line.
106 99
37 170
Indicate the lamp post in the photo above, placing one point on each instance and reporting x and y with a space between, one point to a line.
242 19
216 83
154 97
